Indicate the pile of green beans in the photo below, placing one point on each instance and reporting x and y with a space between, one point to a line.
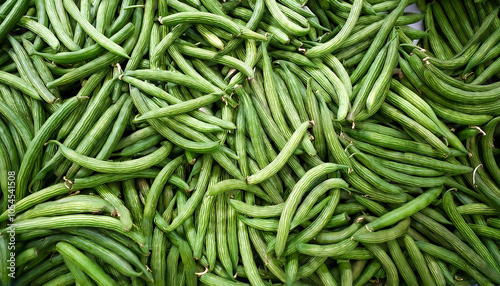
249 142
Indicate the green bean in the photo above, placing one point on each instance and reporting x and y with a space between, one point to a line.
41 137
232 184
397 143
291 267
232 234
78 220
331 45
17 124
401 262
256 211
174 77
456 94
201 116
79 203
295 58
285 23
211 239
368 81
271 94
393 113
158 262
281 159
90 140
327 249
89 267
313 196
214 280
54 273
379 40
8 143
88 52
116 167
487 148
418 260
170 134
452 258
372 206
27 67
384 235
293 200
472 257
260 247
78 274
404 211
209 55
485 231
41 31
335 64
476 208
435 270
17 10
465 230
441 50
180 107
311 230
388 265
154 194
205 209
446 27
43 267
94 248
72 9
210 19
328 237
223 252
377 93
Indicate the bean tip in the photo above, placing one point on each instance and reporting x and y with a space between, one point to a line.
202 273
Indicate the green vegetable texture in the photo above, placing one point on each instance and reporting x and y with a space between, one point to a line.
249 142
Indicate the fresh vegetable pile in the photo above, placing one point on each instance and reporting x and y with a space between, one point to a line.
249 142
